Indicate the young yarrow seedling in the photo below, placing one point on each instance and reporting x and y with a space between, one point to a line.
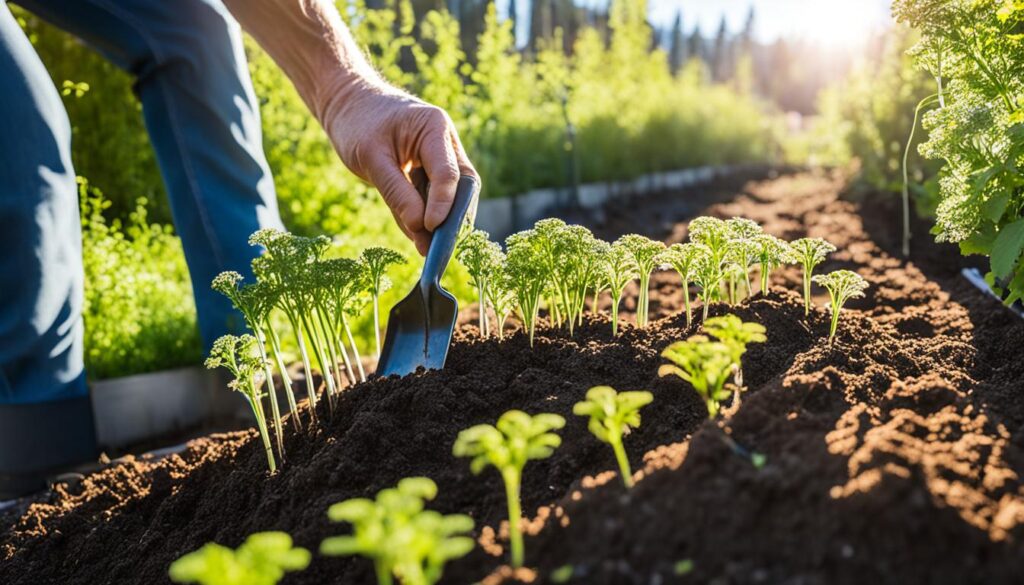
647 255
482 259
809 252
771 253
263 559
617 270
705 364
842 285
508 446
401 538
683 258
736 335
377 260
612 415
239 355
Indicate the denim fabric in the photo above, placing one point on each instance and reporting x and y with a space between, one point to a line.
202 116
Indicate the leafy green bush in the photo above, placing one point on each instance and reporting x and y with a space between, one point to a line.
975 51
139 311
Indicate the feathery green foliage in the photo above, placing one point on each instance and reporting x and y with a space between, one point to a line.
507 446
647 256
240 356
683 259
974 49
377 260
808 252
263 559
617 270
482 259
612 415
842 285
771 253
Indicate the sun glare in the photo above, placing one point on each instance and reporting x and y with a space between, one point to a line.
839 23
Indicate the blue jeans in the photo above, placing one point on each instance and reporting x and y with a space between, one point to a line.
202 116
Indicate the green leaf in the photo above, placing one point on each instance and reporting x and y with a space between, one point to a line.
994 208
1007 248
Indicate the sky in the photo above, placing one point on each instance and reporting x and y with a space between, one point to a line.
830 21
837 22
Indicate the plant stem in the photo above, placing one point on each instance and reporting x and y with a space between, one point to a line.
835 320
620 456
704 302
383 573
686 303
274 409
906 178
257 411
355 350
515 534
615 314
310 390
807 290
376 324
641 309
275 347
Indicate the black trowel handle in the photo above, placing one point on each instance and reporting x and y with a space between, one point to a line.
443 243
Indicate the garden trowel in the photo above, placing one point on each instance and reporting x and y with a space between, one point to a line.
420 326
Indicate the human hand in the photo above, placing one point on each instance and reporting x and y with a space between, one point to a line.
383 135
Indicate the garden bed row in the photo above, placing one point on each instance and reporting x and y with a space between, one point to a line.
893 455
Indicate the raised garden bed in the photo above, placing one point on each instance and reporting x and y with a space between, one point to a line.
892 456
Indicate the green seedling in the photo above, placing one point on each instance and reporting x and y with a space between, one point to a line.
548 241
240 356
842 285
399 535
705 364
683 258
526 276
612 415
647 255
713 233
342 283
740 255
255 306
377 260
263 559
482 259
501 298
582 255
771 253
736 335
732 273
516 439
741 248
808 252
707 275
617 270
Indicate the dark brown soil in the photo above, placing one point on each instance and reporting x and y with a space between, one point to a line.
893 455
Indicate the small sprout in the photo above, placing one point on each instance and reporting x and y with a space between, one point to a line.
525 276
808 252
377 260
683 258
736 335
683 567
240 356
612 415
646 255
562 574
771 253
707 275
740 255
705 364
842 286
482 258
399 535
263 559
501 298
582 254
508 446
617 270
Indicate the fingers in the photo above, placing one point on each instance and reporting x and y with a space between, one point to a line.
398 193
437 155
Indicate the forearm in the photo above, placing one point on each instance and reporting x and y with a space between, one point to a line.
311 44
